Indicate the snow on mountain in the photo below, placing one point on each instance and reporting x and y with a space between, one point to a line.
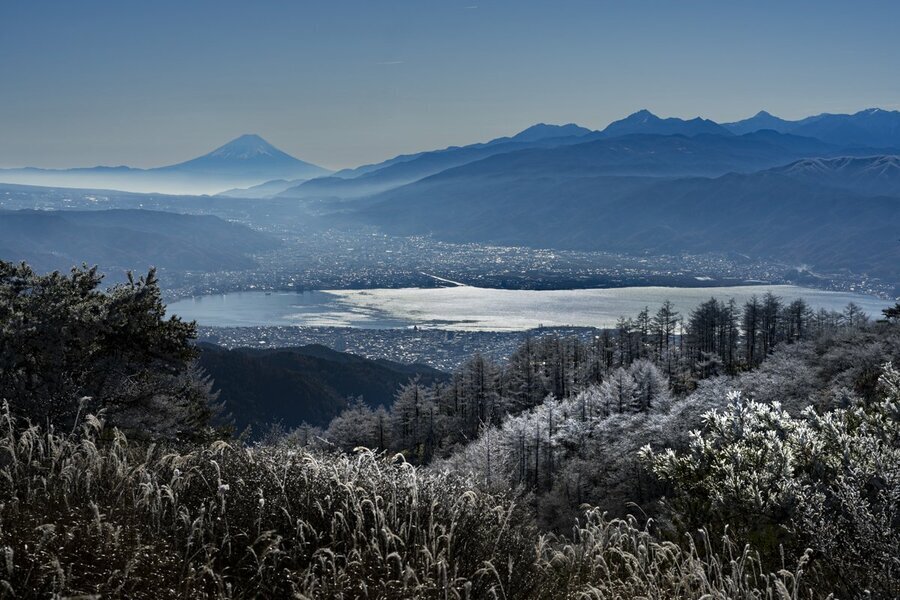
645 122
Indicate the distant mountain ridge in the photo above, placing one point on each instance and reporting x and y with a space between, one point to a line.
373 179
403 170
759 121
645 122
539 131
543 131
245 160
638 154
263 190
128 239
248 166
830 223
813 136
872 127
869 174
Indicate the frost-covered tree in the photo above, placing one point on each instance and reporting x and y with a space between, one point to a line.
752 325
480 379
828 481
770 322
712 338
415 421
796 319
357 426
892 314
525 380
664 324
618 392
651 388
854 316
304 436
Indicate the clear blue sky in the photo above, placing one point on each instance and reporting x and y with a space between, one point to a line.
340 83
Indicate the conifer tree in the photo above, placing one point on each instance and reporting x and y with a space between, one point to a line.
67 347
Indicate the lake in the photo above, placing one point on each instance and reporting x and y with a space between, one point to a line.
466 308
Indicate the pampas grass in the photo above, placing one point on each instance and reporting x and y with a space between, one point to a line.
90 514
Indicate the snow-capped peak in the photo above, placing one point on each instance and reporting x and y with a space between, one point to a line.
249 145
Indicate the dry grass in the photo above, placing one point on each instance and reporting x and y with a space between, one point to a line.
91 514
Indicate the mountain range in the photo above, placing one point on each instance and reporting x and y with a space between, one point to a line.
373 179
873 127
830 214
878 175
250 167
866 133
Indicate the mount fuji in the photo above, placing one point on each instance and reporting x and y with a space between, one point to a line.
245 161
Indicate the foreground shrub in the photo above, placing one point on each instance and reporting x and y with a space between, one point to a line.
827 481
63 338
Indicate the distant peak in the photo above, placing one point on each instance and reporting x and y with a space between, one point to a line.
248 140
643 113
246 146
876 111
249 137
537 126
763 113
552 126
547 130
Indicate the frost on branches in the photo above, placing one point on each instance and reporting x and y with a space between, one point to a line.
828 481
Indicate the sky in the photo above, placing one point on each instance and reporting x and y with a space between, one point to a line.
342 83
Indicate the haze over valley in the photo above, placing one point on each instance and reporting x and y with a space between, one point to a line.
642 186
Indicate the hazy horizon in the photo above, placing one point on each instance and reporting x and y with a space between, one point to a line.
224 142
343 85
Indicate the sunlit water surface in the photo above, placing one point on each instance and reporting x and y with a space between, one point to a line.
466 308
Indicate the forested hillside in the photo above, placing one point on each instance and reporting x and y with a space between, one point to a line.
312 384
642 366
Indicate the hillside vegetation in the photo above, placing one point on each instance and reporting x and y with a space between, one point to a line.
310 384
758 466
